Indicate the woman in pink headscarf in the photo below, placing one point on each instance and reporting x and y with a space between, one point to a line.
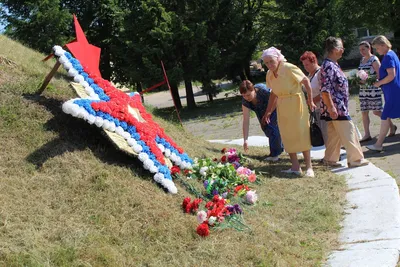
285 81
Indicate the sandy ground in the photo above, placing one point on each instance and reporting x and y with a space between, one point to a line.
230 127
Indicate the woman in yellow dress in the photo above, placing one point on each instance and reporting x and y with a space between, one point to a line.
285 81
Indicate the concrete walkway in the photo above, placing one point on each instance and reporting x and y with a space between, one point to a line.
371 227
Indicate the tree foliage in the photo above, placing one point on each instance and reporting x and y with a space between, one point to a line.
197 40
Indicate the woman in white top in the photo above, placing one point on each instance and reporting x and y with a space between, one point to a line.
310 64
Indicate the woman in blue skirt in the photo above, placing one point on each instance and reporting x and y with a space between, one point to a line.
389 81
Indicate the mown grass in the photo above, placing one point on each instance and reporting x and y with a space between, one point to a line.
69 198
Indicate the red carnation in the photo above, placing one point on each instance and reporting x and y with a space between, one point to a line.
223 150
203 230
195 204
175 170
223 159
186 202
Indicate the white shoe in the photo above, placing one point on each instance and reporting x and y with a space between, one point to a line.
273 159
375 148
290 171
310 173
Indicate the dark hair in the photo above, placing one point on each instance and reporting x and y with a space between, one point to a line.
331 43
310 56
245 86
367 45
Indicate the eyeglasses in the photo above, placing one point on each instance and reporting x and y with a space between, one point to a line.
340 47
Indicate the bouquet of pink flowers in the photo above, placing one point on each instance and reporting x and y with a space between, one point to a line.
365 78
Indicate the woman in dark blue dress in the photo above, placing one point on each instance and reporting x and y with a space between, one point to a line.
389 80
255 97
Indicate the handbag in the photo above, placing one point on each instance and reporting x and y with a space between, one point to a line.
315 131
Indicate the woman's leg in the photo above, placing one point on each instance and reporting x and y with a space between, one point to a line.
294 161
392 127
385 125
348 137
332 152
271 130
366 122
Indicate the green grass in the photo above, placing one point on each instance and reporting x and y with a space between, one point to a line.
69 198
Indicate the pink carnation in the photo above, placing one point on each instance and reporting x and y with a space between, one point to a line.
362 74
251 197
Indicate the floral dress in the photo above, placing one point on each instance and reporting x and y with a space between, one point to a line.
370 96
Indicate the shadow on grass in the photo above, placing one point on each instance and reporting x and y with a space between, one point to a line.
204 110
76 135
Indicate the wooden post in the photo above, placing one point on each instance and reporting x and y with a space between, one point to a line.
48 78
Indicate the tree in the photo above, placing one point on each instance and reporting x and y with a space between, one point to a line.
37 24
302 25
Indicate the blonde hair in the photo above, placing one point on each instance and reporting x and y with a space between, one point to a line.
381 40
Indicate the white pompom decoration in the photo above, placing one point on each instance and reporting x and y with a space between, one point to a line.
72 72
131 141
161 147
67 65
153 169
85 84
119 130
137 148
170 186
91 119
63 60
99 122
79 78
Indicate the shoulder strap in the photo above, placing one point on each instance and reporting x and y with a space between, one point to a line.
316 72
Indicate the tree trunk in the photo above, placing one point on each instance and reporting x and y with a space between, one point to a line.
191 104
175 95
105 66
210 97
247 72
139 88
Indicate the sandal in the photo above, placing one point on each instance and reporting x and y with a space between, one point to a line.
393 133
374 148
366 139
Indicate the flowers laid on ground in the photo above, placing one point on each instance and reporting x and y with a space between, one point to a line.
217 214
227 185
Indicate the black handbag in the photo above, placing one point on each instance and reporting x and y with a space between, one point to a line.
315 131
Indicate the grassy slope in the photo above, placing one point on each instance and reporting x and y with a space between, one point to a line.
69 198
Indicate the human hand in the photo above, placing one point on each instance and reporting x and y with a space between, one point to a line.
333 113
311 104
377 84
266 118
245 146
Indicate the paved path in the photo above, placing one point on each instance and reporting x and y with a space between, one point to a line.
371 228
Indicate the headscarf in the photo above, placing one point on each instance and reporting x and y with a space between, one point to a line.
274 52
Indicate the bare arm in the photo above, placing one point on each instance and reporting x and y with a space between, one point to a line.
246 122
326 97
317 99
390 77
376 64
307 85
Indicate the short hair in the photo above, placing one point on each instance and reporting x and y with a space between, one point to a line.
245 86
310 56
381 40
331 43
